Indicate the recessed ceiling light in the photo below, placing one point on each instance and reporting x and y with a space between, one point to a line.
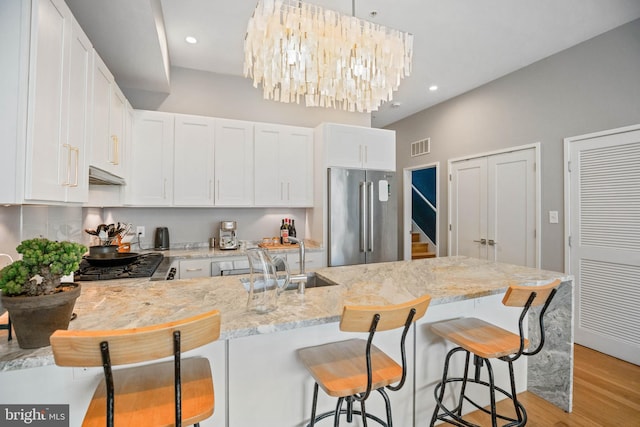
191 40
396 104
433 88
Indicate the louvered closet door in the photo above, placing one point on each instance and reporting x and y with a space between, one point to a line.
605 241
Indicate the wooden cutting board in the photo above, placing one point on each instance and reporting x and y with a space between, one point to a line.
278 245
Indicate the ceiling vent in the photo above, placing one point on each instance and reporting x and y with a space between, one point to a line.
421 147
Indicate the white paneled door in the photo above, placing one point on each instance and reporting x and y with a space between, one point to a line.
604 235
493 209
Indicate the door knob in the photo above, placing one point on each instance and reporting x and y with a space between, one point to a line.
482 241
492 242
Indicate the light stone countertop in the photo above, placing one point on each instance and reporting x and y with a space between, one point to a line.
128 303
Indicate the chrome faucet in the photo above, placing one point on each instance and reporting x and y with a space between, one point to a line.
301 277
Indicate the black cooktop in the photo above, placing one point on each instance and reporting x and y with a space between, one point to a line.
143 266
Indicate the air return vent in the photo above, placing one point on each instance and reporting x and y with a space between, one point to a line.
421 147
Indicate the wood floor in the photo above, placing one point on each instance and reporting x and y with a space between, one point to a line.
606 392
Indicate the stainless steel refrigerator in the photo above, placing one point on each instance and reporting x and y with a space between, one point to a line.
362 221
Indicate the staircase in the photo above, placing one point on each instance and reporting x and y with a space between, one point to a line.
420 249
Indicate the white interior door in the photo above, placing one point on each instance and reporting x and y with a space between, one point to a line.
511 230
604 227
468 208
493 207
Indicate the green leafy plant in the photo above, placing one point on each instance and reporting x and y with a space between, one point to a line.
43 264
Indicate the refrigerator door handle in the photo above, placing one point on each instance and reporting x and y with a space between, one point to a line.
370 240
363 216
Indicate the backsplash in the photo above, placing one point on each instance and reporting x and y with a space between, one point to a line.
188 227
18 223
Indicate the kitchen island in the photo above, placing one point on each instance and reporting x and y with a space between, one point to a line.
256 372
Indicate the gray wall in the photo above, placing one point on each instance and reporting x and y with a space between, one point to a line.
218 95
590 87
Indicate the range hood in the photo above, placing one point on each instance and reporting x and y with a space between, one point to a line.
98 176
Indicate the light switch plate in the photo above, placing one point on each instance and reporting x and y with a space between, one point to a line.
553 217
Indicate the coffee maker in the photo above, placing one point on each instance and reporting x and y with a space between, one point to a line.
228 239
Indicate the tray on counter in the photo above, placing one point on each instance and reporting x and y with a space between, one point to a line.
278 245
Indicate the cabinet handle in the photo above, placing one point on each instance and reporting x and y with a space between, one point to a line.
189 270
370 243
164 188
77 151
281 190
116 150
211 189
217 189
366 154
288 191
68 180
481 241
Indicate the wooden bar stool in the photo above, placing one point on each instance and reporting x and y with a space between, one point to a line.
351 369
158 394
486 341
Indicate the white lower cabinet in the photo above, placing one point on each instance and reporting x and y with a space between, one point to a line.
195 268
75 386
269 386
312 261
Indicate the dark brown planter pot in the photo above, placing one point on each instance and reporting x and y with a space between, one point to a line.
34 319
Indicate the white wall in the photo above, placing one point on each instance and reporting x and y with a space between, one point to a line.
590 87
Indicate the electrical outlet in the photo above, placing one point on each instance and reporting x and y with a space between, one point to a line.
140 230
553 217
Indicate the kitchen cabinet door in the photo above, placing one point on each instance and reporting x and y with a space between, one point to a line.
193 161
379 149
312 261
117 114
152 159
359 147
283 166
58 102
47 103
76 167
108 118
233 159
195 268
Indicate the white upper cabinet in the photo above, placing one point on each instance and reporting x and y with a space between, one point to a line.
233 163
359 147
151 182
196 161
56 103
283 166
77 145
108 121
193 161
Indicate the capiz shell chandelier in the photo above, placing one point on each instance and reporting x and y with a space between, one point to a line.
300 50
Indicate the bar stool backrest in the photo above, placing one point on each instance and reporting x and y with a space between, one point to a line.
82 348
517 296
360 318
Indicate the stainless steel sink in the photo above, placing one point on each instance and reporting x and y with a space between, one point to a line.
312 281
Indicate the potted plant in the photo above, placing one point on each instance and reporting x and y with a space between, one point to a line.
37 302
